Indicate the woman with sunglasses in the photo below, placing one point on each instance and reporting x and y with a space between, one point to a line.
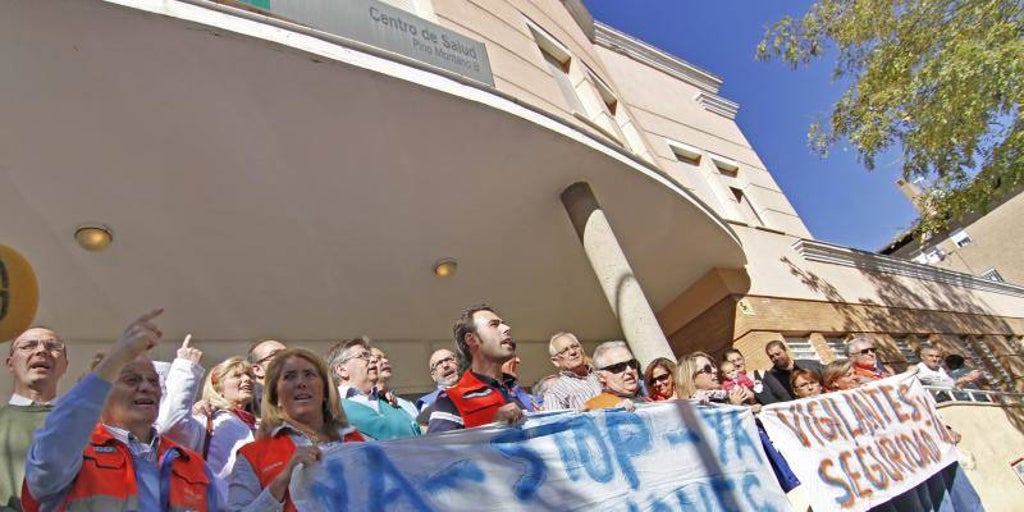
301 415
660 379
697 379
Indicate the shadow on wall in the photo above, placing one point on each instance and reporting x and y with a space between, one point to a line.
899 309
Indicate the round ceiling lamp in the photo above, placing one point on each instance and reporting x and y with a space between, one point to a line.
445 267
93 238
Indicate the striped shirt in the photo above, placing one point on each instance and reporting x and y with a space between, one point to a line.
570 391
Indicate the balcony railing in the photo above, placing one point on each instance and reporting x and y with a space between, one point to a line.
952 396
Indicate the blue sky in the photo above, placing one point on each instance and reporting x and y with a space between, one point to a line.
838 199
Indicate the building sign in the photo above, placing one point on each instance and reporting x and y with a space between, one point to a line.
19 294
383 26
668 456
857 449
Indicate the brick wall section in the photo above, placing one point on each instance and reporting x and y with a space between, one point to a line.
724 325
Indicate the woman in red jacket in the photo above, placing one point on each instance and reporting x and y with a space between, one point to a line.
301 415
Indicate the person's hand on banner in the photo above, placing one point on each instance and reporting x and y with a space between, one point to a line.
509 413
627 404
305 455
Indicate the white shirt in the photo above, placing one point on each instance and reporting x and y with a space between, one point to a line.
938 378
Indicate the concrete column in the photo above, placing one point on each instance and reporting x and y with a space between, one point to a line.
639 325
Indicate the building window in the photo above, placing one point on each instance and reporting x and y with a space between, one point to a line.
993 275
907 351
837 345
558 60
933 255
801 348
725 166
980 353
960 238
685 154
746 208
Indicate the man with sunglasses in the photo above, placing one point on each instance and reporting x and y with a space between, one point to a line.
776 385
37 361
619 374
864 356
576 381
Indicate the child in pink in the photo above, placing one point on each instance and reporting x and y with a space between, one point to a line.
731 377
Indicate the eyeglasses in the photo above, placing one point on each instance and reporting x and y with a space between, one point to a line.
442 362
661 379
268 357
49 345
869 350
708 369
566 350
623 366
365 356
805 385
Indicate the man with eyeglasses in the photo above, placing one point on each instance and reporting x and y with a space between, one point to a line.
776 386
37 360
444 370
862 352
356 370
576 382
619 374
483 393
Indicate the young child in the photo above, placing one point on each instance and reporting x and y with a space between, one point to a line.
731 377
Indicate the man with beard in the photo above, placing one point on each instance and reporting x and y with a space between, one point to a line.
121 463
444 370
37 361
577 381
483 394
619 373
776 383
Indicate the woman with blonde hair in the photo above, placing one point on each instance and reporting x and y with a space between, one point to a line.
301 415
839 375
697 379
222 422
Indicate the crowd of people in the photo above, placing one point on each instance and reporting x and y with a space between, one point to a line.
126 438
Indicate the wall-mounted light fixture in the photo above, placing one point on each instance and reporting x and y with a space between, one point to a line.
445 267
93 238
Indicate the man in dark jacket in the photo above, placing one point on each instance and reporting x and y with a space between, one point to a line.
776 386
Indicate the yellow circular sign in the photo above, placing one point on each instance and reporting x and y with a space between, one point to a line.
19 293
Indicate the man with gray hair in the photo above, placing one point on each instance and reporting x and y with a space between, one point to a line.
577 381
619 374
931 372
864 356
354 365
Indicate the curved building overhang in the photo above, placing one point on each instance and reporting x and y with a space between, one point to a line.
260 180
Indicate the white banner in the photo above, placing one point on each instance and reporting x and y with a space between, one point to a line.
672 456
855 449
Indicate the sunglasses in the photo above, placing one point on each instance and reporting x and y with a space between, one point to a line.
869 350
661 379
708 369
623 366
